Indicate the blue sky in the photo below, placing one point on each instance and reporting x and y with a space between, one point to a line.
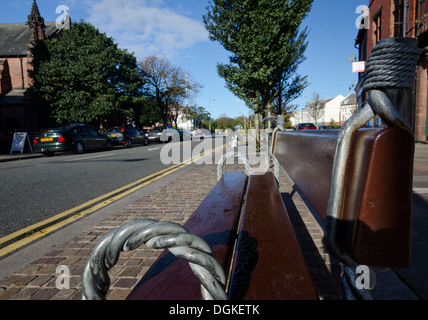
174 29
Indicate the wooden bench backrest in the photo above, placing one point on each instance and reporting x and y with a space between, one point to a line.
375 227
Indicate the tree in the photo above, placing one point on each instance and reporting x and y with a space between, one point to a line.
175 112
165 83
145 112
85 77
316 108
289 87
201 114
224 122
193 88
266 47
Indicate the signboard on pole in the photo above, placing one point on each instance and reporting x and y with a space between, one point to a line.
18 142
359 66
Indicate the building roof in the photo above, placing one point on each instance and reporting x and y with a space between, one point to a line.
351 99
15 37
15 96
326 101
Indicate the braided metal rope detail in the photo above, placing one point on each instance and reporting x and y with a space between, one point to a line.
279 121
228 155
392 64
157 235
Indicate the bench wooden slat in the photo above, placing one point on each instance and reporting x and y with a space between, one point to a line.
215 220
268 263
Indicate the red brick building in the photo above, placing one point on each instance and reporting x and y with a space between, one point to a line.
19 110
399 18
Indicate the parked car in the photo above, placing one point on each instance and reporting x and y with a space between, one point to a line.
201 133
306 126
170 134
127 136
77 138
184 134
155 133
165 127
325 127
175 135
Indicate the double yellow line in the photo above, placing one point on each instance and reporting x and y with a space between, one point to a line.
25 236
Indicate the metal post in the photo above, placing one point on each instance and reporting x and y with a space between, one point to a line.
209 107
187 107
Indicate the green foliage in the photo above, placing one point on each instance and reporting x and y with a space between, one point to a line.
224 122
85 77
164 83
287 121
266 47
145 112
201 114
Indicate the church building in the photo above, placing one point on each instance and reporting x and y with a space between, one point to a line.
19 110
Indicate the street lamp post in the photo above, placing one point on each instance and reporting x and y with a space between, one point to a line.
187 107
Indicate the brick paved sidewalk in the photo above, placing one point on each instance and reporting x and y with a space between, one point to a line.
175 202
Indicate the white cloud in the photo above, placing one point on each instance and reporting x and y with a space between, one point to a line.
146 27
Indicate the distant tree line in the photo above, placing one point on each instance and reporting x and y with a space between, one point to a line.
224 122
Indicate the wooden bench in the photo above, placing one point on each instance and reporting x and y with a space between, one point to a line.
245 222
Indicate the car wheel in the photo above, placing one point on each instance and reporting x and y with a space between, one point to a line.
146 142
129 143
79 148
109 145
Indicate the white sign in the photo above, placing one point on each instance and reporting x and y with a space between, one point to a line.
18 142
359 66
